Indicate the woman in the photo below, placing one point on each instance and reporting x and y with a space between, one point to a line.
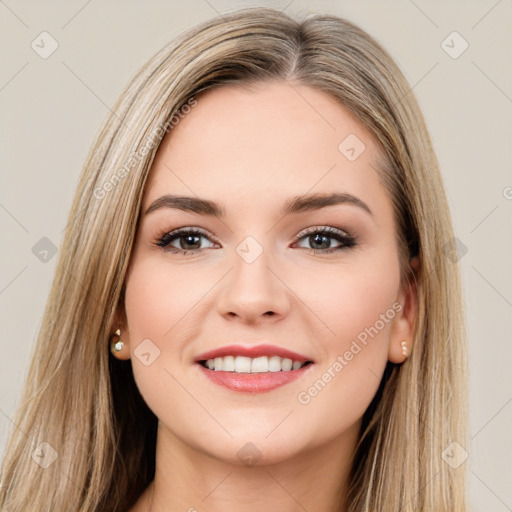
254 307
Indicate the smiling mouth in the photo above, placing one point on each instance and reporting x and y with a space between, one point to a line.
263 364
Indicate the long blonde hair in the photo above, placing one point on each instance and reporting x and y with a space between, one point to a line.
84 403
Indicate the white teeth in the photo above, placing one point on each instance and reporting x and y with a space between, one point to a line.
228 363
274 364
241 364
286 364
259 364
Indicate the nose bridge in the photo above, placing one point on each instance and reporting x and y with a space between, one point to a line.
252 288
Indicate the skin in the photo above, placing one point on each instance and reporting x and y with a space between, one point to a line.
250 151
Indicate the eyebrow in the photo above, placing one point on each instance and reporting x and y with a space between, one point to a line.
295 205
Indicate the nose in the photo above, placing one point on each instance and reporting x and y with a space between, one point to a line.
254 292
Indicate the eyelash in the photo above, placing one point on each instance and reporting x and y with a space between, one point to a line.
165 238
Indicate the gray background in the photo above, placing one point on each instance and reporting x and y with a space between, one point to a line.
52 108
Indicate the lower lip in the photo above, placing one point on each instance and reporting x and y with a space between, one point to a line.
253 382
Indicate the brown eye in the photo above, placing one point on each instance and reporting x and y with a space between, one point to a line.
189 241
320 240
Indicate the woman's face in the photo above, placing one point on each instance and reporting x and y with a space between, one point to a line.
258 274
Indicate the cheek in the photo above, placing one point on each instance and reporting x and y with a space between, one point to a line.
356 303
157 301
158 298
359 308
355 306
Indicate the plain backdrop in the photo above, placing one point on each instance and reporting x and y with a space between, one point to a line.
51 108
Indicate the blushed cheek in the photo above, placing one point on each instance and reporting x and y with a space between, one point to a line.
157 298
156 303
358 308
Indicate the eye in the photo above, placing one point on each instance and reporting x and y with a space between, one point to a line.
189 240
319 238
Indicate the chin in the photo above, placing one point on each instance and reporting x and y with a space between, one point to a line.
251 446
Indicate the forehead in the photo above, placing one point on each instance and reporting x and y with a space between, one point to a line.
276 139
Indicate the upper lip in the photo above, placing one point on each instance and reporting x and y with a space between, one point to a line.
252 352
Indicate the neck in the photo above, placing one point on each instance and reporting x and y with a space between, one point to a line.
190 480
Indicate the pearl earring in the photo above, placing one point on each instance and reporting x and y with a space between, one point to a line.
404 347
116 346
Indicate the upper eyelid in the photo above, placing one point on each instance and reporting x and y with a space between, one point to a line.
192 229
328 229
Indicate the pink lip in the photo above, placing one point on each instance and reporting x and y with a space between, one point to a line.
253 382
253 351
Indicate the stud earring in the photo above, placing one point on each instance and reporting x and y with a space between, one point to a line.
404 347
116 346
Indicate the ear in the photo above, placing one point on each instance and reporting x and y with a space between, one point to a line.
120 322
119 319
405 319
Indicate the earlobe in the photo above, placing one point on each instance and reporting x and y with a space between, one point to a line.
398 351
119 345
119 348
414 262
